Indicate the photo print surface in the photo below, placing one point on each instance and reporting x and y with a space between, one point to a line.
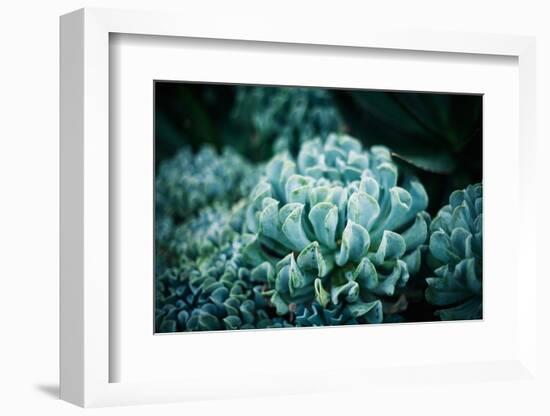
283 207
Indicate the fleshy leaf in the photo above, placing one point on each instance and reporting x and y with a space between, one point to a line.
365 274
324 219
311 259
321 295
361 308
363 209
348 291
416 234
297 189
391 247
441 248
262 273
355 243
397 278
293 225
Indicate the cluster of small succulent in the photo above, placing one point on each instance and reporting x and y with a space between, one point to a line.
191 181
456 248
205 284
327 237
202 282
287 116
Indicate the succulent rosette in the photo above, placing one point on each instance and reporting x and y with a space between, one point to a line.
190 181
335 232
288 116
456 249
206 285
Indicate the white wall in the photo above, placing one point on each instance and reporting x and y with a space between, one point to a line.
29 187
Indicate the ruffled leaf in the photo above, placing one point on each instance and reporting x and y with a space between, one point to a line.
391 247
348 291
359 309
355 244
311 259
321 295
365 274
363 209
324 220
293 228
441 248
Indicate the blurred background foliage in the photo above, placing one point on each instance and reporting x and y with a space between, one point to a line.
436 136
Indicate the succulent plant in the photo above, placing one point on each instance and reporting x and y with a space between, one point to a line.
456 248
205 284
286 116
189 182
335 232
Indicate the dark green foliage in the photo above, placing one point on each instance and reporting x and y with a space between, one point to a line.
439 136
429 130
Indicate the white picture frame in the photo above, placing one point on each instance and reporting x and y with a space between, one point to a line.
86 349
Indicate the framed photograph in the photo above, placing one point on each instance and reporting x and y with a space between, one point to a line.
271 212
